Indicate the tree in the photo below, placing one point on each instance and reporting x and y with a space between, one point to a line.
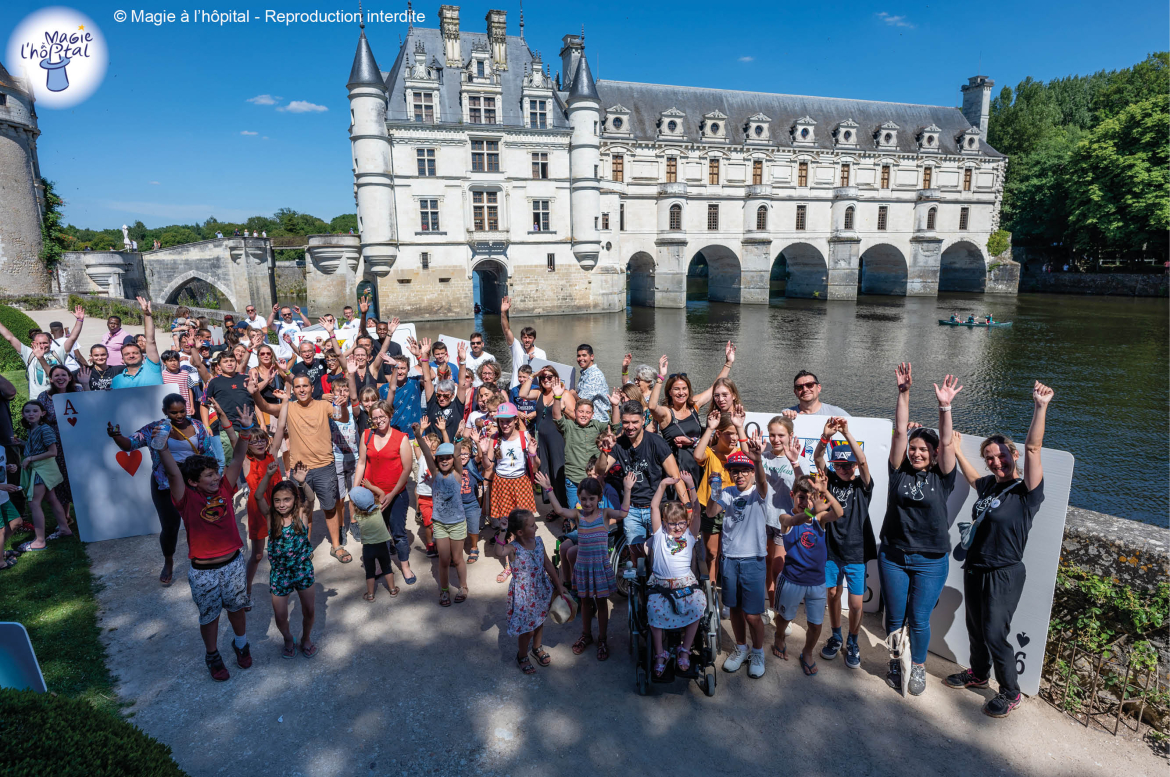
54 238
344 223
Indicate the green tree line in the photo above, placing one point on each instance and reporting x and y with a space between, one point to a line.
1087 169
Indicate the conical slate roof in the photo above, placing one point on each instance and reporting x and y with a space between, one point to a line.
365 70
6 79
583 86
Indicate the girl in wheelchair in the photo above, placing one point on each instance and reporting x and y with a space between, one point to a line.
676 600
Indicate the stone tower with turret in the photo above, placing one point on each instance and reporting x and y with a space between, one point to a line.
584 111
22 199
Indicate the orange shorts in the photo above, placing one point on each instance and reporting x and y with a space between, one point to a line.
426 506
257 525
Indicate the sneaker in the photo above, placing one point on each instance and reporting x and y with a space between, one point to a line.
1001 704
917 682
736 659
214 662
965 679
432 551
756 665
894 675
852 655
832 648
724 612
788 629
769 616
243 655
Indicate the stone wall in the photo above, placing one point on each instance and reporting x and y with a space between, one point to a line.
1133 553
1115 284
21 268
124 269
290 280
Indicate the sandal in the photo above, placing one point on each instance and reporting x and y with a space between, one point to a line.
781 653
584 641
473 556
809 669
444 599
602 650
541 655
341 554
393 592
369 597
525 665
58 535
683 659
28 548
461 596
290 653
660 661
9 563
310 652
165 580
503 576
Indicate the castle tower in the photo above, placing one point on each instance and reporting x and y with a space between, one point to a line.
373 184
584 106
977 102
21 196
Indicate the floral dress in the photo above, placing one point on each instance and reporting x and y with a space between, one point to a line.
530 591
290 559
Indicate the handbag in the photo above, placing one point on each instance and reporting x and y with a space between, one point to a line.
967 528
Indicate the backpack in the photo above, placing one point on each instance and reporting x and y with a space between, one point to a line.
529 467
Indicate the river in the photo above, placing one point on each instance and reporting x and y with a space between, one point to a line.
1106 358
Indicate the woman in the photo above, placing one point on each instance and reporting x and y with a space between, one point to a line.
61 382
696 400
679 421
365 374
489 372
509 461
186 437
726 431
385 458
915 540
270 378
993 572
724 395
550 443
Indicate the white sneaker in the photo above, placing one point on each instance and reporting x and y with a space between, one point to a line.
736 659
755 665
788 629
769 616
724 612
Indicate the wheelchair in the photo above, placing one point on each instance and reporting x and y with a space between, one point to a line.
704 650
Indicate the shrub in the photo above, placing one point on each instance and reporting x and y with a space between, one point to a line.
129 312
1000 241
18 324
83 742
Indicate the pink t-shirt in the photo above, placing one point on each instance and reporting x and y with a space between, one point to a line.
113 343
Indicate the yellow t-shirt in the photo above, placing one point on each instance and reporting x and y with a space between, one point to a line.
714 464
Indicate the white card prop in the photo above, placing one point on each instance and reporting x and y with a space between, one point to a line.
403 333
216 334
1029 632
111 487
874 434
567 374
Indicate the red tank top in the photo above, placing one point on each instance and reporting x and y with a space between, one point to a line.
384 467
259 468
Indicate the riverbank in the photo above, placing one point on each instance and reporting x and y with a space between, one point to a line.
1109 284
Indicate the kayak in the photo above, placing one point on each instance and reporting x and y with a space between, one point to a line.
945 322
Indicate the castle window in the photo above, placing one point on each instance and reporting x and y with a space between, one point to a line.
964 218
967 180
540 215
538 114
801 217
426 161
424 107
713 217
605 221
429 213
671 169
883 217
552 262
845 173
475 110
757 172
622 217
885 176
759 130
617 123
424 260
485 211
927 177
849 217
676 217
479 68
619 166
489 110
540 165
802 174
713 171
485 156
931 216
762 218
671 125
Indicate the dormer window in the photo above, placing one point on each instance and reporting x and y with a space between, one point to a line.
804 131
756 129
617 122
479 68
928 138
968 142
538 114
424 107
714 126
670 124
845 134
886 136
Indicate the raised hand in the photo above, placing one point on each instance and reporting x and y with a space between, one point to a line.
144 303
606 440
663 365
632 477
364 304
713 419
688 480
299 472
729 352
505 305
754 447
1042 395
113 430
946 393
793 449
247 417
532 445
327 324
461 352
543 481
739 416
425 346
413 346
282 364
79 313
392 326
296 309
351 365
903 375
843 426
629 357
616 397
83 376
441 423
280 394
276 307
273 468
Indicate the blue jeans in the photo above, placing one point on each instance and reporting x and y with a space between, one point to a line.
637 525
570 494
217 450
911 584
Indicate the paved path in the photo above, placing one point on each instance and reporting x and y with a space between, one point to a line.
404 687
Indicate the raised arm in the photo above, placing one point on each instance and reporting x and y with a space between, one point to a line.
247 427
1033 471
704 443
262 490
670 467
148 325
174 475
834 509
903 375
281 421
466 376
823 443
656 504
755 451
12 339
301 313
703 397
946 439
505 324
271 316
546 486
261 403
380 357
79 317
422 446
858 453
970 474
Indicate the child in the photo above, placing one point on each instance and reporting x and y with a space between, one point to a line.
40 474
525 406
375 537
672 547
531 591
468 491
9 516
850 541
593 574
256 464
784 463
726 431
448 522
567 546
803 578
422 487
580 433
343 430
509 459
290 556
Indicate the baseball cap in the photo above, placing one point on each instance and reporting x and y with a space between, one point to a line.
241 325
129 340
506 410
362 498
739 460
841 453
446 449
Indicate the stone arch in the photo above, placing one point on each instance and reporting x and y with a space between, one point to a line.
962 268
883 270
724 272
171 292
489 284
640 280
806 271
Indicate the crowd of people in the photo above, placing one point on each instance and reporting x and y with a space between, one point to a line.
341 419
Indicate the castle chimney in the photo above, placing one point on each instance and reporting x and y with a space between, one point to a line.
497 30
574 47
977 102
449 24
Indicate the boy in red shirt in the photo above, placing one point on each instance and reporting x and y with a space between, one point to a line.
218 575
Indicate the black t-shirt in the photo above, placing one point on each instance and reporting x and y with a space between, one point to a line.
846 537
100 381
365 378
916 509
231 394
452 414
1002 534
645 461
314 370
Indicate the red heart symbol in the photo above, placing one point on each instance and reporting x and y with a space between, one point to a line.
72 421
129 461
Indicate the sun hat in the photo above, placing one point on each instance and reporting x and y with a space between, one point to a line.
739 460
506 410
362 498
446 449
562 609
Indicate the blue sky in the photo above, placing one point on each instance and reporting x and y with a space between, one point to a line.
179 130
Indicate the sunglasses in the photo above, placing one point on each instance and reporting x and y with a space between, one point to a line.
803 386
679 525
674 375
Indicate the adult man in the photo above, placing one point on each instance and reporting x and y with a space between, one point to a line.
310 366
140 369
311 443
591 385
646 455
524 349
59 334
42 346
445 398
287 322
112 340
385 332
252 320
405 391
808 394
478 356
